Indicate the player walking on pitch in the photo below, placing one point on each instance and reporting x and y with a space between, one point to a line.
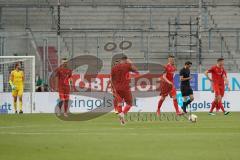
185 87
120 81
167 86
16 81
116 97
63 84
219 81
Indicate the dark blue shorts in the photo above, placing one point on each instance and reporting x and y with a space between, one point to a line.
186 91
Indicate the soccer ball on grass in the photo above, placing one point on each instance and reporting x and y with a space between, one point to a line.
192 118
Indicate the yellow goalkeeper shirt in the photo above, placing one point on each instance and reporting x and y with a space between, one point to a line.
17 77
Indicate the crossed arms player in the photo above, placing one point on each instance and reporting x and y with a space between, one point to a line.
167 86
120 83
219 81
63 84
185 87
16 81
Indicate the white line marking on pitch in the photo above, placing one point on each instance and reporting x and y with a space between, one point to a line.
93 133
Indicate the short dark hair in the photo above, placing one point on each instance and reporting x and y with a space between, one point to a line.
117 58
17 64
188 63
116 61
220 59
171 56
124 57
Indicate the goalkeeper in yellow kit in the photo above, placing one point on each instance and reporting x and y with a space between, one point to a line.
16 82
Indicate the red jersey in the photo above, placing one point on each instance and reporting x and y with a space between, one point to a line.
169 70
120 76
63 75
218 74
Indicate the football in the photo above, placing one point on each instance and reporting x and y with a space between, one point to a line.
192 118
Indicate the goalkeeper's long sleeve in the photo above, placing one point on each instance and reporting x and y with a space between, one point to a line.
12 85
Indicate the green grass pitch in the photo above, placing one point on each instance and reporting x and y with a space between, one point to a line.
45 137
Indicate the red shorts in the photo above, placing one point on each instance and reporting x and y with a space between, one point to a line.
218 89
125 95
64 94
167 89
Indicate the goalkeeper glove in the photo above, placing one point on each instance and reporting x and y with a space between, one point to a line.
12 85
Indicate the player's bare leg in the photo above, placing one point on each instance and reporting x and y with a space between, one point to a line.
15 104
20 105
160 102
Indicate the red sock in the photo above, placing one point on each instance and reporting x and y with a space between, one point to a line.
160 102
218 106
117 105
126 109
221 106
65 106
213 106
175 103
115 108
119 109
